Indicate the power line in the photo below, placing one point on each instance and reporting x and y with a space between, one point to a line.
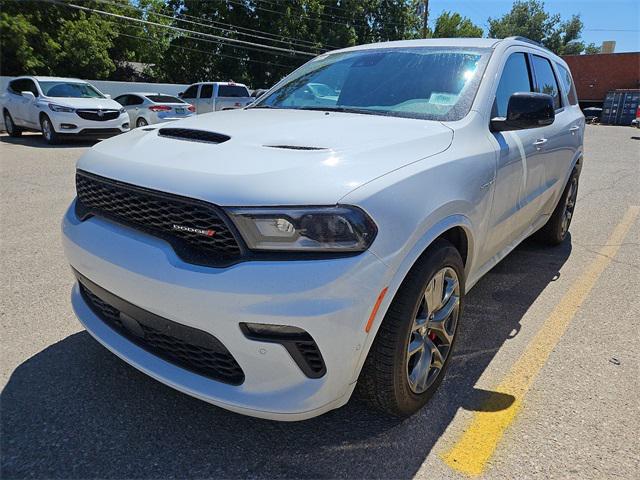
248 45
206 25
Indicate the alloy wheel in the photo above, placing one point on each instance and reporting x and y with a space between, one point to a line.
8 123
570 205
433 330
46 129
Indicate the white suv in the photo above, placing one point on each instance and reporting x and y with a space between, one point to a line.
271 260
60 106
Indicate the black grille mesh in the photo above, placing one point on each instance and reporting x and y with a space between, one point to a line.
96 117
162 215
201 353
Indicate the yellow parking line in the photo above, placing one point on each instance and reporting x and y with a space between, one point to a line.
475 447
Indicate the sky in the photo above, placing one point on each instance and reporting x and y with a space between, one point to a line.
617 20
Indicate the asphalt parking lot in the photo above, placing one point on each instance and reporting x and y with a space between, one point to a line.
544 383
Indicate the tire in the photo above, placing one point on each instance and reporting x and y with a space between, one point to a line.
390 379
48 131
141 122
555 230
10 127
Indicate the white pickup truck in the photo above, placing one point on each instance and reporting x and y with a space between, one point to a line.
215 96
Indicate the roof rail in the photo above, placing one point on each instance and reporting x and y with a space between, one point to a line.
527 40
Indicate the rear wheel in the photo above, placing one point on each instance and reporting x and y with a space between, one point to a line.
11 127
555 230
48 132
141 122
410 354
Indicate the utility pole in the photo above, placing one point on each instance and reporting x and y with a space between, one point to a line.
425 17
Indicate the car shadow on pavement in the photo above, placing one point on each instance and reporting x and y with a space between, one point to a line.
75 410
37 141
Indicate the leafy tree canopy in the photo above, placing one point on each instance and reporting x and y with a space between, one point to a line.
450 25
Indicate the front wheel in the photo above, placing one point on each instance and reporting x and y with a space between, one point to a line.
11 127
411 351
141 122
555 230
48 132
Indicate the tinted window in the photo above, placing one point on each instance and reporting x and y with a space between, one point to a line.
546 80
232 91
17 86
515 78
135 100
432 83
191 92
206 91
164 99
69 89
122 100
567 84
30 86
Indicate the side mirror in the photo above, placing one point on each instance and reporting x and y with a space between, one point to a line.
180 94
28 95
526 110
107 95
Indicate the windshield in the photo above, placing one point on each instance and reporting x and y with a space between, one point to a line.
69 89
232 91
431 83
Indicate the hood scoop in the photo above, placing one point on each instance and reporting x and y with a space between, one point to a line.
193 135
296 147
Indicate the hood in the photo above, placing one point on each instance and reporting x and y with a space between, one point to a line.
273 157
104 103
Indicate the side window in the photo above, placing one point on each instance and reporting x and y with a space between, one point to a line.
122 100
191 92
567 84
546 80
29 86
135 100
17 86
206 91
515 78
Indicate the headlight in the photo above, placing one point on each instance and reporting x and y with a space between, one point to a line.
305 229
122 110
60 108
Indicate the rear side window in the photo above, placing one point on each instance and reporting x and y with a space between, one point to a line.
206 91
546 80
515 78
567 84
191 92
164 99
135 100
232 91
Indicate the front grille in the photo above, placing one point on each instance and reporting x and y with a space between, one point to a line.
98 115
196 230
184 346
100 131
312 356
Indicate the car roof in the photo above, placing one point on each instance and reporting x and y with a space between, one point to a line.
144 94
53 79
220 83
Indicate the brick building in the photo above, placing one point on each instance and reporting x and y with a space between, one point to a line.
595 75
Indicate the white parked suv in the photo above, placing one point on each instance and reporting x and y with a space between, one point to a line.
271 260
58 107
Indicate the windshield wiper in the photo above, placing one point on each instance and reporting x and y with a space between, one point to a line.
341 110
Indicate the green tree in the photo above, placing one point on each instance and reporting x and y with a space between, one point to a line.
452 25
528 18
592 49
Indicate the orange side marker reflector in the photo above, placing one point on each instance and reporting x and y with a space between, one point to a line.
375 309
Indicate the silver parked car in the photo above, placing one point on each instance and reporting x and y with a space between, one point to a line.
217 96
149 108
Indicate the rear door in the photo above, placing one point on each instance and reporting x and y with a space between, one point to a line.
560 137
205 100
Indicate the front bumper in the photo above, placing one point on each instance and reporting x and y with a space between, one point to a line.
330 299
72 124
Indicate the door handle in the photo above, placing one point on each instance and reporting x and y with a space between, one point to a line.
539 142
574 129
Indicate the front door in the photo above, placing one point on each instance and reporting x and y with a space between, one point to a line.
520 176
205 101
